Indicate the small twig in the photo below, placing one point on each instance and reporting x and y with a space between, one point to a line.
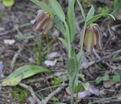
97 61
96 54
115 26
110 66
14 29
17 54
112 101
32 92
45 101
31 100
109 39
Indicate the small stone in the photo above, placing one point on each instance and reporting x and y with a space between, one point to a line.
83 94
49 63
9 41
108 84
53 55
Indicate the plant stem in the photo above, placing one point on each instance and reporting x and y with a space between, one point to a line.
68 38
69 50
82 38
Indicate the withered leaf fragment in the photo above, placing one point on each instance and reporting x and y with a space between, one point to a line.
92 37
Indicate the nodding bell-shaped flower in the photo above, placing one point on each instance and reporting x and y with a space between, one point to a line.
42 22
92 37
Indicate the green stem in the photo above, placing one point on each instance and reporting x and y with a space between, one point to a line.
69 50
80 54
82 38
68 38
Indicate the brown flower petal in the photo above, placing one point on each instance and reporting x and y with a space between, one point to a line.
92 37
42 21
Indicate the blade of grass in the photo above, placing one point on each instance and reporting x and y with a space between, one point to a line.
43 6
82 10
71 19
90 14
57 9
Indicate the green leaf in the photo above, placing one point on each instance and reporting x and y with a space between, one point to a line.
82 10
59 25
71 19
90 13
57 9
105 77
93 19
55 99
99 79
58 103
116 6
64 42
116 58
22 73
73 70
8 3
23 36
112 16
116 78
79 56
43 6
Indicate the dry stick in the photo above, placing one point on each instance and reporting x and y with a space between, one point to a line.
110 66
32 92
45 101
17 54
110 37
112 101
14 29
96 61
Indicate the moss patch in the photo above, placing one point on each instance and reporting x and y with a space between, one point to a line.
19 93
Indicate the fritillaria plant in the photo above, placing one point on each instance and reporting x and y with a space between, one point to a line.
90 35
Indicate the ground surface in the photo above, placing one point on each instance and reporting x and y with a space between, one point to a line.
15 23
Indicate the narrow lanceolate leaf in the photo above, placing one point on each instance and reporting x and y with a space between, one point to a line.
59 25
22 73
112 17
90 13
43 6
94 18
81 8
57 9
73 69
71 19
64 42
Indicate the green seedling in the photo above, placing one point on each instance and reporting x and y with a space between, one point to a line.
19 94
56 81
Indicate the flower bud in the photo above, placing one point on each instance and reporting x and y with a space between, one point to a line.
42 21
92 37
